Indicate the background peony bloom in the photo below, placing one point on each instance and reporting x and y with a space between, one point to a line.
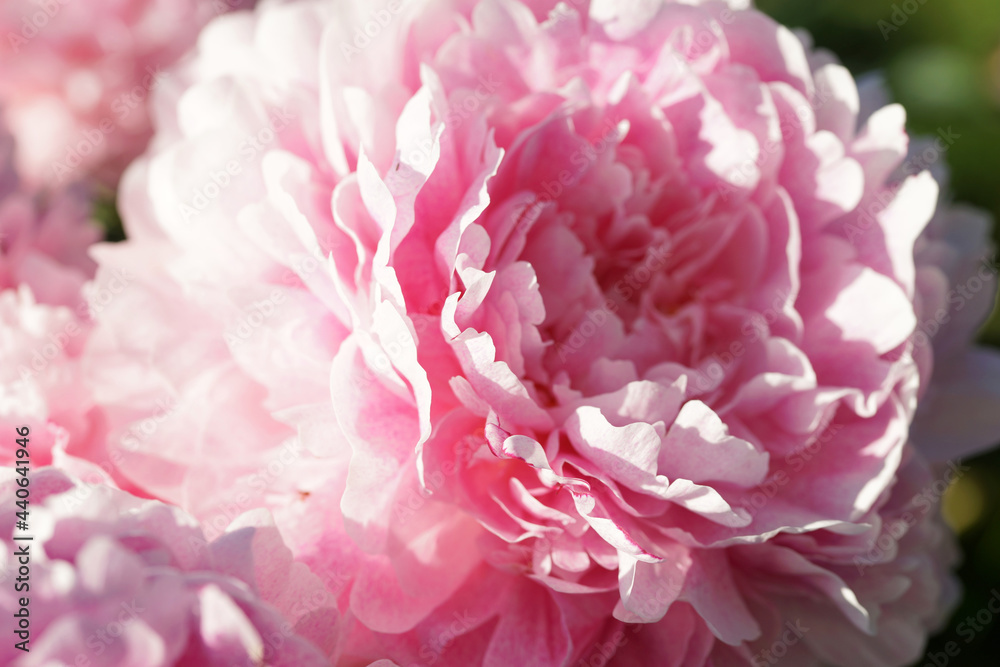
44 237
75 77
116 580
957 284
42 384
547 333
45 318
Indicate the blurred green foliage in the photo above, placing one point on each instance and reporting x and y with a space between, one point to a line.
106 215
941 58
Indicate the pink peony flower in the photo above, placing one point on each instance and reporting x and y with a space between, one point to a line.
548 333
75 77
116 580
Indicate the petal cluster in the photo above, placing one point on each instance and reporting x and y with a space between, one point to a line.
116 580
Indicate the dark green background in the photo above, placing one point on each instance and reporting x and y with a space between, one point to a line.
943 65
